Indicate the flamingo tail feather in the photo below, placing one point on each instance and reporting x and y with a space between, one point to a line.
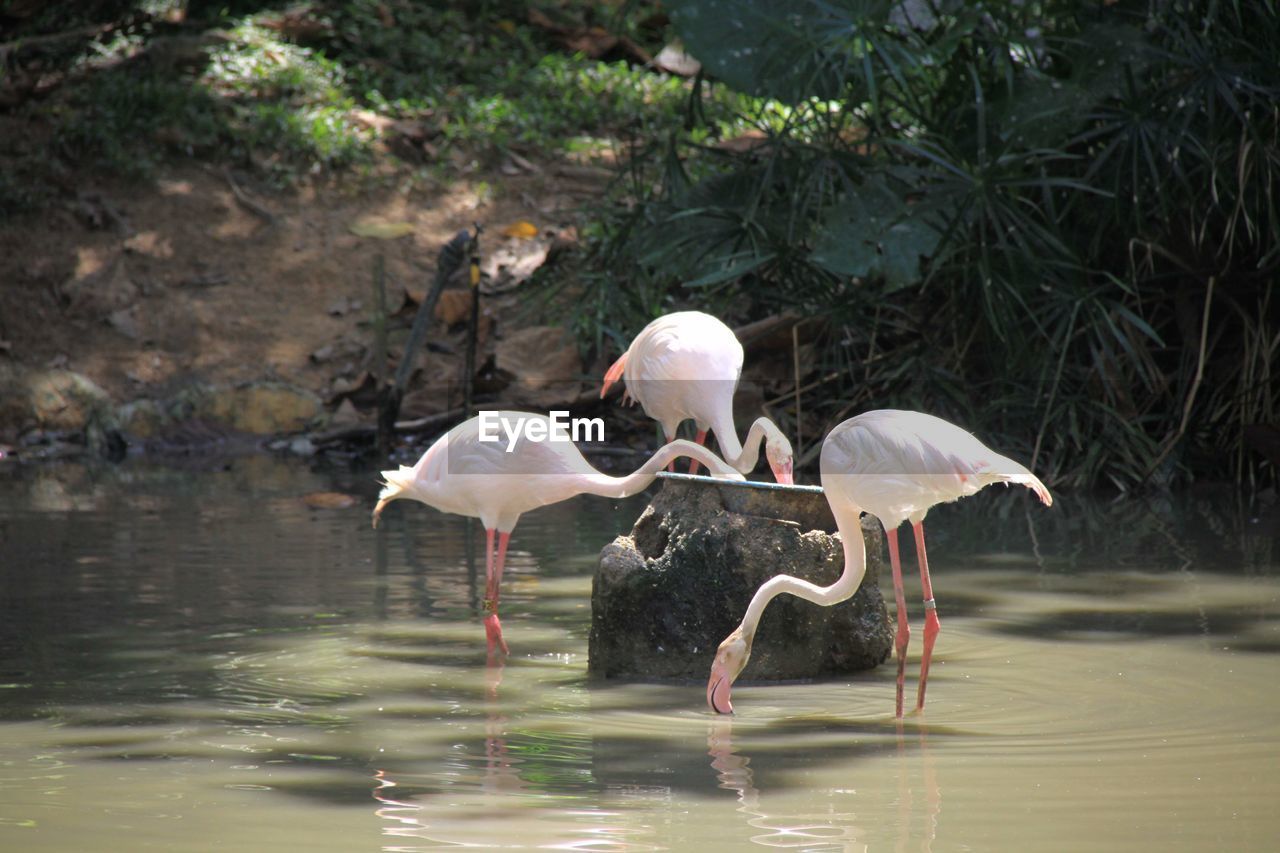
613 374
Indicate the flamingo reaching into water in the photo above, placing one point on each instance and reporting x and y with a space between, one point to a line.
894 465
686 365
467 474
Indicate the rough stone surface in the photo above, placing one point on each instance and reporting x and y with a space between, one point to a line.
102 289
664 596
64 399
143 419
257 408
264 408
544 365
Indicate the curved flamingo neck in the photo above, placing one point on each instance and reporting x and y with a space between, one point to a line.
855 567
606 486
742 457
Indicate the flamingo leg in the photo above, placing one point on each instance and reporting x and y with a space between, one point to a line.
670 436
903 635
931 624
493 581
700 439
489 533
488 606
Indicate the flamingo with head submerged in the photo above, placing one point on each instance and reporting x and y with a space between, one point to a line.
467 473
687 365
894 465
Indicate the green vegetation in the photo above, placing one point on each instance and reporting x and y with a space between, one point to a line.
1052 221
289 89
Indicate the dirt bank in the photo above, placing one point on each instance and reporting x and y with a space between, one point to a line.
199 279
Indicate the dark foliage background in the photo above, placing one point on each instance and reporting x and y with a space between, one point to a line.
1052 221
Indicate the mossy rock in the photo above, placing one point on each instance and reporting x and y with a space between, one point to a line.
666 595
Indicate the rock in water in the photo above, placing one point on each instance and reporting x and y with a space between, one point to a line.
665 596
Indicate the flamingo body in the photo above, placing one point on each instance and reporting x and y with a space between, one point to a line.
895 465
681 366
686 365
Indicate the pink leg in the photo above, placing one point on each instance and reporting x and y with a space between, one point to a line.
488 564
904 633
503 539
493 581
931 624
700 439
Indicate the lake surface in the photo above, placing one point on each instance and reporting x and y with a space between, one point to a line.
196 660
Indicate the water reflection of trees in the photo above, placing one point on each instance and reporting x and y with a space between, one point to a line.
1209 529
122 594
829 827
105 566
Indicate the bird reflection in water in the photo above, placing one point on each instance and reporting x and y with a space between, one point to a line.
499 775
828 829
403 818
407 819
932 793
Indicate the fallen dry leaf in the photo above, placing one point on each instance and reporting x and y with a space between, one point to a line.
454 306
380 230
594 42
522 229
328 500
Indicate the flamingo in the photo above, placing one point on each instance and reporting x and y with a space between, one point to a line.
894 465
687 365
466 474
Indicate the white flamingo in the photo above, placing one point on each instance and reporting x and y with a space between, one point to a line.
687 365
463 474
894 465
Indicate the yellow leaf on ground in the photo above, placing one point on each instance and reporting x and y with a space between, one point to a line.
381 230
522 229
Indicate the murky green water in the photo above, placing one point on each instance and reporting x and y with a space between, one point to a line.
196 661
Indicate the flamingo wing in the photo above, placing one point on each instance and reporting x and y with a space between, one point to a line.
902 463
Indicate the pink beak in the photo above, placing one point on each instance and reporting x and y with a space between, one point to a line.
718 687
783 472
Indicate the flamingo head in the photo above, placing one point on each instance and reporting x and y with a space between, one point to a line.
781 459
731 657
396 484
